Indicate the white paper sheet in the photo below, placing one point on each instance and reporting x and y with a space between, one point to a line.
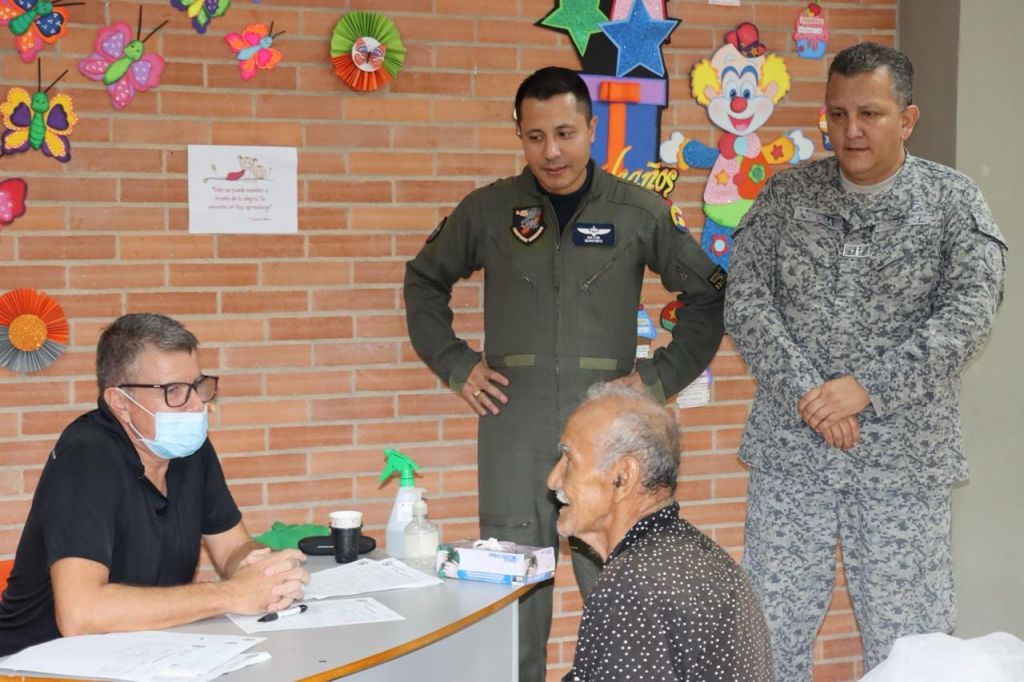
323 614
242 190
365 575
132 656
236 663
698 393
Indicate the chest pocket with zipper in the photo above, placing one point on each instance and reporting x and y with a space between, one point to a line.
607 283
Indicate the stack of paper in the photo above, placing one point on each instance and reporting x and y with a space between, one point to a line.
323 615
366 575
139 656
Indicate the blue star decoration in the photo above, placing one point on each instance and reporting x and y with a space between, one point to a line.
639 40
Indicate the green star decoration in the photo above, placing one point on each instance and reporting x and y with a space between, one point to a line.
579 18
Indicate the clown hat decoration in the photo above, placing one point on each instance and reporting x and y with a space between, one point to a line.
747 39
33 330
366 50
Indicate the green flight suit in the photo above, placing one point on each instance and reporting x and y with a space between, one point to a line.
560 314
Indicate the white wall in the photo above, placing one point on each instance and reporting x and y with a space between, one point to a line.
967 57
988 522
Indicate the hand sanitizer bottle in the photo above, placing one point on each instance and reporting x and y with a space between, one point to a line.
408 493
421 538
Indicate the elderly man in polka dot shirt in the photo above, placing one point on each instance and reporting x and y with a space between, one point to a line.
669 604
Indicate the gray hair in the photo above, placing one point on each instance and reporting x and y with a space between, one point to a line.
642 428
128 336
866 57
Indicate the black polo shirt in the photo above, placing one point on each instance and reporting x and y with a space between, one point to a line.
94 502
670 604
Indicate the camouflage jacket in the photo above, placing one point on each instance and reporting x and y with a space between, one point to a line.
897 289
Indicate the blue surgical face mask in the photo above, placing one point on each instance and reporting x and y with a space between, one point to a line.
178 434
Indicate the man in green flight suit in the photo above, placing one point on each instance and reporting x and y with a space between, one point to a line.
563 246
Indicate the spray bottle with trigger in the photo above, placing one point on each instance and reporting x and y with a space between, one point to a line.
408 494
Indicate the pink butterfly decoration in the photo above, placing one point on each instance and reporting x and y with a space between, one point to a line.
253 49
142 73
12 200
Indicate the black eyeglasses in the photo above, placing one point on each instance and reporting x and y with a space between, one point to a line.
177 394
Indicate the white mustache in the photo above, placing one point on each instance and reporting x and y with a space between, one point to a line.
560 496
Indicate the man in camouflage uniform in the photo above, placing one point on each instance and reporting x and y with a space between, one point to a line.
563 246
861 286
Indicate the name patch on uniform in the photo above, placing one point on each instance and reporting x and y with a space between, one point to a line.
717 278
813 216
857 250
526 223
593 234
912 218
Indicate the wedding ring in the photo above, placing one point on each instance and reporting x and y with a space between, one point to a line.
476 393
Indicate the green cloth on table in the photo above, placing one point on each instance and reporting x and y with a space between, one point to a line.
287 535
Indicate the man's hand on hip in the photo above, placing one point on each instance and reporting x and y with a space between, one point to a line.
482 391
632 380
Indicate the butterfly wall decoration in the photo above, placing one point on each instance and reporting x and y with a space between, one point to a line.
121 62
35 24
12 200
253 48
202 11
37 121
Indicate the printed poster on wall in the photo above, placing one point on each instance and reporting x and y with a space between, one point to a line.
242 190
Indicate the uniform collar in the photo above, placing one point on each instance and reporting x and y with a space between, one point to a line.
860 210
663 518
600 182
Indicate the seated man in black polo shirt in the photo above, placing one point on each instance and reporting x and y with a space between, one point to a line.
669 604
125 499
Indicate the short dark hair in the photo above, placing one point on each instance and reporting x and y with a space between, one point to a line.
550 81
866 57
643 428
128 336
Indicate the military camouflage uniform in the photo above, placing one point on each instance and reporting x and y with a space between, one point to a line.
559 315
898 290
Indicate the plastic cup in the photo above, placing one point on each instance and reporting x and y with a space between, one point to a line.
345 528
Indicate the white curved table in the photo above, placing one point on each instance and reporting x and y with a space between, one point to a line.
464 630
461 629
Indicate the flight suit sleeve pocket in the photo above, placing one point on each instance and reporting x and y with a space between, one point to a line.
691 280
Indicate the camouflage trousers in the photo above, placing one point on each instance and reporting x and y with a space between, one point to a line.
896 553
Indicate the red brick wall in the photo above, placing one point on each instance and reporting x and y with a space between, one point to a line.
307 330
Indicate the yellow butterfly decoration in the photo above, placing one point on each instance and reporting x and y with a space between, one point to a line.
37 121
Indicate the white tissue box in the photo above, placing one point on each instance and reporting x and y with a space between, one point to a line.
511 564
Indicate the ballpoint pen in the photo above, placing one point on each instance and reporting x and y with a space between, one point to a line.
293 611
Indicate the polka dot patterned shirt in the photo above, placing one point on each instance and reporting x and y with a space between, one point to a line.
670 604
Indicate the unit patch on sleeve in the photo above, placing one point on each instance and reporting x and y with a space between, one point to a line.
717 278
526 223
593 234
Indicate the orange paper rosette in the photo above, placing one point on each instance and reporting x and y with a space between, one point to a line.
33 330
